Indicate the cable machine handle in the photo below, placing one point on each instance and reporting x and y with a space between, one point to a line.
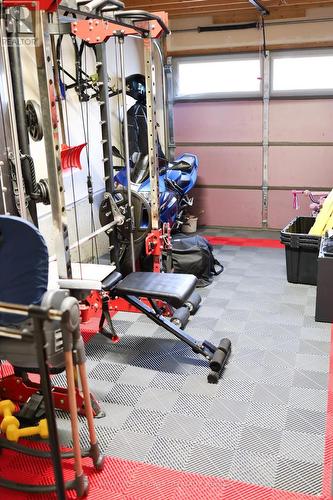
92 5
142 15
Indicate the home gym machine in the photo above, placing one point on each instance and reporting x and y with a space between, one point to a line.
143 290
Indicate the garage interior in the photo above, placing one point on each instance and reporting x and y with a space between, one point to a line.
166 249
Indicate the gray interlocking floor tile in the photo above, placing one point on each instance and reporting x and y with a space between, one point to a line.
109 372
122 356
206 311
302 446
266 393
157 399
142 329
225 325
213 429
196 384
314 347
261 343
121 326
168 452
64 431
309 321
248 359
312 362
95 351
181 427
210 461
127 395
283 359
130 445
100 388
189 404
144 421
260 440
289 317
264 423
239 369
236 390
134 374
252 467
288 344
198 322
307 421
232 411
315 333
150 361
310 380
275 375
266 415
308 399
104 437
158 345
276 330
115 415
293 475
169 381
127 316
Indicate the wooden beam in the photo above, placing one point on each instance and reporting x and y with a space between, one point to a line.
253 16
248 48
200 4
167 3
211 5
180 8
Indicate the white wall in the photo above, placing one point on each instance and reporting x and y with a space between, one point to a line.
250 39
75 136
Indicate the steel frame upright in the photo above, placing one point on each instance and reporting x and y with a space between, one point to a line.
51 138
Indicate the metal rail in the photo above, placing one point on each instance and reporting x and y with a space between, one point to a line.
15 153
22 310
126 149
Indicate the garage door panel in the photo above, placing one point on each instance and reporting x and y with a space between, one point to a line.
301 120
228 165
281 211
228 207
292 166
218 121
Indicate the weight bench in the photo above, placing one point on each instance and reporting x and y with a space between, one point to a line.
145 291
175 290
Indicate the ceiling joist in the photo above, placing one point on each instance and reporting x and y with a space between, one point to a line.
235 10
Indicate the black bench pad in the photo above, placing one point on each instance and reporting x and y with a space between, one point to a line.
174 289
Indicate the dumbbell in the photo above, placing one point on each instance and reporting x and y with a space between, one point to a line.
13 433
7 409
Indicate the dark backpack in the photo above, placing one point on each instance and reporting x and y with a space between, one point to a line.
194 255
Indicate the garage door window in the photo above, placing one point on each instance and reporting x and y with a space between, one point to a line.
300 73
202 77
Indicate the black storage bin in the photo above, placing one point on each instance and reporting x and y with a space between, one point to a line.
301 251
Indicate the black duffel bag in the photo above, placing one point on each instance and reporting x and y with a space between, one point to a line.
194 255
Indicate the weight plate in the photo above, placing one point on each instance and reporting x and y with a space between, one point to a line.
34 120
